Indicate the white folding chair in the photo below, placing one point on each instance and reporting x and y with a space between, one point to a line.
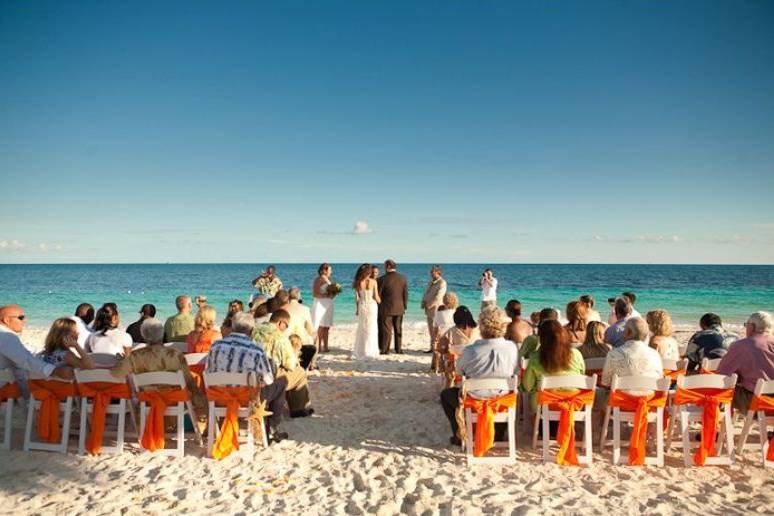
195 358
594 365
180 346
33 406
545 414
509 417
762 388
85 376
216 412
689 414
7 378
637 384
710 365
173 379
103 360
674 365
523 408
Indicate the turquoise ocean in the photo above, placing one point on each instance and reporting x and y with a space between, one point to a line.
686 291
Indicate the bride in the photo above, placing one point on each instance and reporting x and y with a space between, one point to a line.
367 300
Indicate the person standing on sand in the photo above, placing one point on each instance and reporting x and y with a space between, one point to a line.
268 283
393 292
432 299
488 286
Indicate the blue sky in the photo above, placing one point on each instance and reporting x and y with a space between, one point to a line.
488 131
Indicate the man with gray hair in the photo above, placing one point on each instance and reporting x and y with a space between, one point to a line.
432 299
237 353
750 358
301 325
634 357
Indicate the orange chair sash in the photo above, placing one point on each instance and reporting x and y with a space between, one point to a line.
674 374
197 372
103 393
567 402
766 404
153 435
50 393
485 410
233 398
640 405
10 391
709 400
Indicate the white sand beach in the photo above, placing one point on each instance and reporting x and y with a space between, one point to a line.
376 444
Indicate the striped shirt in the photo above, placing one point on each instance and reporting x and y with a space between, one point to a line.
237 353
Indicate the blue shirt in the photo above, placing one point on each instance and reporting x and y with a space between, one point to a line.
489 358
237 353
614 334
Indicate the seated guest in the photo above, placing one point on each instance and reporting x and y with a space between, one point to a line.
632 299
554 357
614 335
594 346
15 356
588 302
301 326
201 300
750 358
107 336
660 325
443 320
146 312
634 357
261 313
62 346
234 307
84 315
177 327
204 334
490 357
518 329
576 322
271 337
464 332
237 353
711 342
532 343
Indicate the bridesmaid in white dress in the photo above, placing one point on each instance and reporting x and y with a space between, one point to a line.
367 302
322 306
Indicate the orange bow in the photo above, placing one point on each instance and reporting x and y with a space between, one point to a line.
567 402
765 403
640 405
485 409
153 435
674 374
102 392
10 391
709 400
197 372
233 398
50 393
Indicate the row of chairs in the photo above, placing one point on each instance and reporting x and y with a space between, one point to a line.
686 414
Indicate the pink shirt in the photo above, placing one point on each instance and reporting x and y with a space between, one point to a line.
751 358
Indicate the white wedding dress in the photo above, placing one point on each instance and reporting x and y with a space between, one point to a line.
367 335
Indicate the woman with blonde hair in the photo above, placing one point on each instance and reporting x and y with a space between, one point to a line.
660 325
62 347
577 314
443 321
204 334
594 346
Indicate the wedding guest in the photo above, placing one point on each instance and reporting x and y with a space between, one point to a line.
84 316
614 335
594 345
554 357
711 342
322 306
633 357
61 346
591 314
268 283
444 316
488 286
532 342
431 301
375 272
577 315
177 327
235 306
632 299
750 358
107 337
300 317
660 325
393 296
262 312
490 357
611 319
464 332
146 312
201 300
237 353
204 334
518 329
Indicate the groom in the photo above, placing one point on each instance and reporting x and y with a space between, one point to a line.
393 290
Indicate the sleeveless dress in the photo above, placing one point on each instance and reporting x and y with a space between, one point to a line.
322 308
367 334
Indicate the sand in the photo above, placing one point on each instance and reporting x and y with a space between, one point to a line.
377 444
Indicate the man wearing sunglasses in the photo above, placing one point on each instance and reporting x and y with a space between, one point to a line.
13 354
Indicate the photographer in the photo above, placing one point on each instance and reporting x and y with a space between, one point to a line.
488 286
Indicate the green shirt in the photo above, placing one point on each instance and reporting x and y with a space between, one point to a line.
276 345
535 372
177 327
529 346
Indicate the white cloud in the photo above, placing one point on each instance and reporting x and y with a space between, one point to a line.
640 239
362 228
19 246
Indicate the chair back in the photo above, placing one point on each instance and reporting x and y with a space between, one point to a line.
570 381
139 345
195 358
6 376
180 346
639 383
707 381
38 376
174 378
476 384
595 364
225 379
674 365
762 387
710 364
96 375
103 359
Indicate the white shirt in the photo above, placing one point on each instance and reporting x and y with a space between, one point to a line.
83 330
593 315
13 354
443 320
111 342
489 293
300 315
633 358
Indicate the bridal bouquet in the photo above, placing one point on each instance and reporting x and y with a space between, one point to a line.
334 289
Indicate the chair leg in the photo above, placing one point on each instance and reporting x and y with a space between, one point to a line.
763 436
7 425
748 421
546 434
605 422
30 416
535 423
671 427
588 436
142 423
684 424
181 429
616 436
121 426
512 434
211 422
194 422
82 430
66 425
660 436
469 434
729 433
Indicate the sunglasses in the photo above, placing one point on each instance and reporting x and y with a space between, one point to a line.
20 317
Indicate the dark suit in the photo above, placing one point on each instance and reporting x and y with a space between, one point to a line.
393 289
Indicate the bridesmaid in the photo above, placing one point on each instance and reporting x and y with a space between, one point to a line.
322 306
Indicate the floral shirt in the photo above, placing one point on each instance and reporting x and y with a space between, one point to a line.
268 286
277 346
